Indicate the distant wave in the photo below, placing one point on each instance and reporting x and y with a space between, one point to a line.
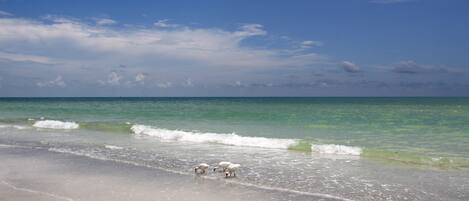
54 124
218 138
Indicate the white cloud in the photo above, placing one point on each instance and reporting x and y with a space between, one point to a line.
209 55
164 85
208 47
104 21
113 79
350 67
248 30
4 13
309 44
164 24
60 19
57 82
140 77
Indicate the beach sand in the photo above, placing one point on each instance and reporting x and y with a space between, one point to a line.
34 174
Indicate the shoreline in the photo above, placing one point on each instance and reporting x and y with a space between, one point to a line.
28 173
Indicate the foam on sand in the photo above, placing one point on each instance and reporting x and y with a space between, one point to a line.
54 124
218 138
113 147
336 149
19 127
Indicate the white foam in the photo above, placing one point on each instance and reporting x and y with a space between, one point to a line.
336 149
54 124
218 138
113 147
19 127
82 153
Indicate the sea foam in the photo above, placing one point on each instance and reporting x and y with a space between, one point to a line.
19 127
218 138
113 147
336 149
54 124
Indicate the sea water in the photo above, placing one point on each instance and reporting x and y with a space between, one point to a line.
350 148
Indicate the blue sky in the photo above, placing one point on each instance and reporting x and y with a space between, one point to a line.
234 48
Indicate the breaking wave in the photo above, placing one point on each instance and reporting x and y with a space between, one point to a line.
218 138
336 149
54 124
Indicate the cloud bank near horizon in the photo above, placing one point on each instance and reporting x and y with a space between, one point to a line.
101 55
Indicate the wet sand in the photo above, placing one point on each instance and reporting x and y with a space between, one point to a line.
36 174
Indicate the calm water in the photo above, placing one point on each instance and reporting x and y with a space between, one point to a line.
300 137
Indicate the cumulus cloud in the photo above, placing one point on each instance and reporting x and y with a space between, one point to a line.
350 67
57 82
113 79
104 21
140 77
123 56
206 47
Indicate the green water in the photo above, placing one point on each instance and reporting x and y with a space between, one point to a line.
428 131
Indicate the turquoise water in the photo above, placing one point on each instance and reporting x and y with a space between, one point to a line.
431 132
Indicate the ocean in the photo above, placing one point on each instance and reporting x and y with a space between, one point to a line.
340 148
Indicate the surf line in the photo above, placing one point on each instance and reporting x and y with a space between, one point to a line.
321 195
35 192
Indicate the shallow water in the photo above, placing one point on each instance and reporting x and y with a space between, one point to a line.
303 173
34 174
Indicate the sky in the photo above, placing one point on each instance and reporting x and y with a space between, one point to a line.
234 48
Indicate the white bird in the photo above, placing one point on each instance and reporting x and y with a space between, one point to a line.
230 171
223 165
201 168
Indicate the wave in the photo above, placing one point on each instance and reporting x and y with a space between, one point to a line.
315 146
54 124
336 149
217 138
246 141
